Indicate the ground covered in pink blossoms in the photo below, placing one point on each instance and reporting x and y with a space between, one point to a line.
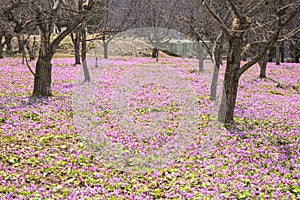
43 154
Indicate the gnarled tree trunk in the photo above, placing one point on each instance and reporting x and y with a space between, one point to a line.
42 78
231 80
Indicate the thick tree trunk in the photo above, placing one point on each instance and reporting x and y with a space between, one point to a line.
83 56
263 66
231 80
217 60
278 56
42 78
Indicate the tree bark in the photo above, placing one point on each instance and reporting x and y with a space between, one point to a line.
8 38
96 65
263 66
295 52
231 80
217 60
105 46
105 49
43 71
297 57
1 46
83 56
20 45
201 59
76 43
23 56
42 78
31 49
155 52
278 56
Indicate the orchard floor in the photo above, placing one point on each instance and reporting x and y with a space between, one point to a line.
44 154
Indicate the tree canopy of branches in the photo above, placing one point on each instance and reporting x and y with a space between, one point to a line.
44 14
246 17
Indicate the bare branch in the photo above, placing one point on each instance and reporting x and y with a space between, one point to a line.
235 9
259 55
255 9
217 18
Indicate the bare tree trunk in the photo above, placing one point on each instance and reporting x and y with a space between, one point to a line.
20 45
263 66
31 49
1 45
76 43
96 65
105 46
231 80
83 56
42 78
278 56
296 52
155 52
201 59
1 51
217 60
105 49
77 48
297 57
8 38
24 55
214 82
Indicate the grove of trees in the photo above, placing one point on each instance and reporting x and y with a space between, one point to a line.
245 30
